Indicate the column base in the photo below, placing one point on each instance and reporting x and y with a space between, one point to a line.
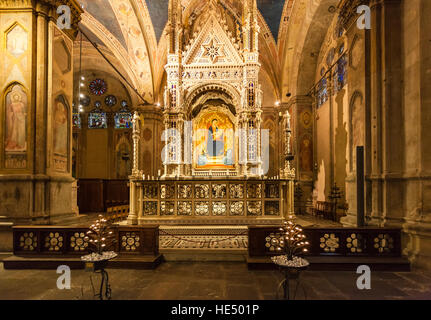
349 221
141 220
132 220
418 243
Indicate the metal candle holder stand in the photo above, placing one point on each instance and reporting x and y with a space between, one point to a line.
98 265
335 194
290 272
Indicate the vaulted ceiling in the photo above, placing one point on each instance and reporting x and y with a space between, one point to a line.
132 31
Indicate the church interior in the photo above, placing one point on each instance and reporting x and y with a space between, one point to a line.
209 149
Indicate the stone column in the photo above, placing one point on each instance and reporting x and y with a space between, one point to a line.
140 204
35 172
417 104
302 127
133 217
387 127
136 172
288 172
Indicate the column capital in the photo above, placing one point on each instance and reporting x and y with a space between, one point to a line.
299 100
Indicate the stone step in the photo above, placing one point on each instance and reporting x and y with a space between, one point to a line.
337 263
74 262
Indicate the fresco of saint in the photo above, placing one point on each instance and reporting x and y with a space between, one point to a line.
60 128
16 114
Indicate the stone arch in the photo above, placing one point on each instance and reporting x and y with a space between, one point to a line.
306 37
208 91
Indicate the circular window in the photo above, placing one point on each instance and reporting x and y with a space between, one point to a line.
85 101
98 87
110 100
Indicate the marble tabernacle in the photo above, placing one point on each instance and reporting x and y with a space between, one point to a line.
215 158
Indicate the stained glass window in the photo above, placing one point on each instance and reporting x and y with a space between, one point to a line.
341 49
85 100
322 72
98 87
340 74
330 57
76 120
322 92
123 118
97 120
110 100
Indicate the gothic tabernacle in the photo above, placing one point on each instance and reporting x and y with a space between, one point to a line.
212 121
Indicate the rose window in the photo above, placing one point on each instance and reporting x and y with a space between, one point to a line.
98 87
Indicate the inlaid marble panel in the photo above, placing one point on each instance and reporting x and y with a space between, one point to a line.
167 191
219 208
236 191
184 191
185 208
237 208
219 191
254 208
254 190
150 208
167 208
202 191
202 208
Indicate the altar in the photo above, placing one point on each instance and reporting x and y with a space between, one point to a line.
215 157
210 201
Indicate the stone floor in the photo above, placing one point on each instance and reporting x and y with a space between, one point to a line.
212 280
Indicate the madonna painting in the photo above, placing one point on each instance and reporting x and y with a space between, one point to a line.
214 141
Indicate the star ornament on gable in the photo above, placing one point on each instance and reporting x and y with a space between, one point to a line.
213 50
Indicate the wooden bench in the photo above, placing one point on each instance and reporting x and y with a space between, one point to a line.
117 213
327 210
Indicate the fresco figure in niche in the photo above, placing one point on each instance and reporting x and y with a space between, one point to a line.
215 140
17 41
16 115
306 156
60 128
124 168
